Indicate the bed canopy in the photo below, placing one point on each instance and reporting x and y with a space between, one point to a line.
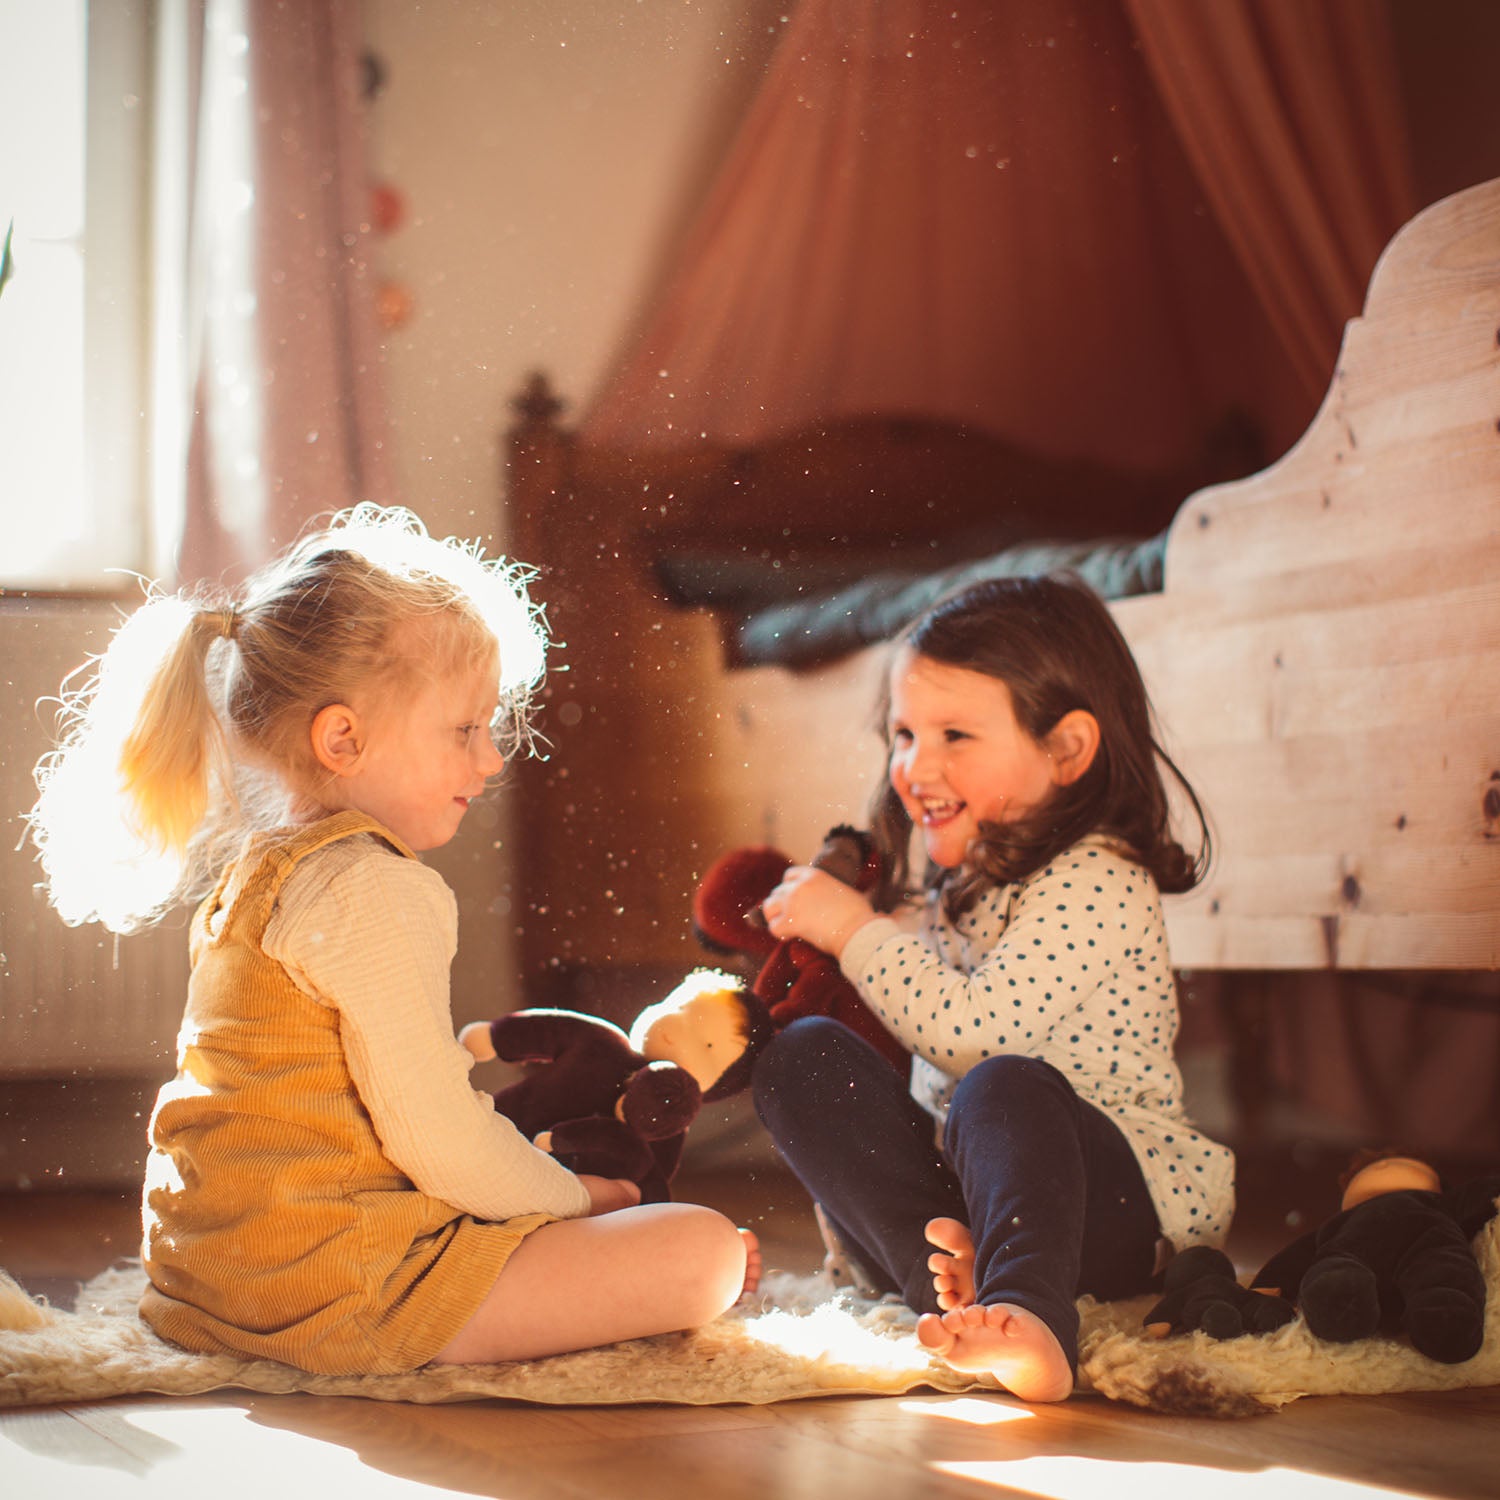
1092 226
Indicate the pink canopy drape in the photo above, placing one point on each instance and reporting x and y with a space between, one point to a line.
1289 112
1089 226
281 343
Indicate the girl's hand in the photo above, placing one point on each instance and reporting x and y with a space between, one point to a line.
606 1194
815 906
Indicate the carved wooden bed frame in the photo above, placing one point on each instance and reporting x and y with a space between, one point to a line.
1324 659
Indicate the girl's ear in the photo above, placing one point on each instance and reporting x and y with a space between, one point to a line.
338 739
1072 745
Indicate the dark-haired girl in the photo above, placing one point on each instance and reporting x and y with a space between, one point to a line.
1042 1147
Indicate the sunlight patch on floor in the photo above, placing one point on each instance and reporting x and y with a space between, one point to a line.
1065 1477
975 1411
172 1452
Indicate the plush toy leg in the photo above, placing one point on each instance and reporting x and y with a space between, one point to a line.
1446 1325
1444 1292
1340 1300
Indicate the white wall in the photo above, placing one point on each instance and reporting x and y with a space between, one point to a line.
548 152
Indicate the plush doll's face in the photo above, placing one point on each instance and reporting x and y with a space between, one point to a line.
1390 1174
700 1026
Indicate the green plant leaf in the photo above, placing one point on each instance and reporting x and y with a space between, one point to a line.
7 263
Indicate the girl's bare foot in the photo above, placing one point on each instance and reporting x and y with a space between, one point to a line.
1011 1344
953 1267
753 1264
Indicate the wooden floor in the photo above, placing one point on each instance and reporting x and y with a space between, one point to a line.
287 1447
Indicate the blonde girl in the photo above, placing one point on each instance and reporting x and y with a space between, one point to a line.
324 1187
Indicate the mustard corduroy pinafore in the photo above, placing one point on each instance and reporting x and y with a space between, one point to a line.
274 1226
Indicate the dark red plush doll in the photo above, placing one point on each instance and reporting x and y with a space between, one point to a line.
618 1105
795 978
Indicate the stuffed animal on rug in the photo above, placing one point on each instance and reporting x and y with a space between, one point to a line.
617 1104
1200 1290
1397 1258
795 979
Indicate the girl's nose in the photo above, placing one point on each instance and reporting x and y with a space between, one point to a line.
921 764
491 761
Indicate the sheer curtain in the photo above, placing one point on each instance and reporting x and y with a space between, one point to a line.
1037 217
268 396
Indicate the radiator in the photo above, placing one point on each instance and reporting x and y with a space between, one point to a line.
74 1001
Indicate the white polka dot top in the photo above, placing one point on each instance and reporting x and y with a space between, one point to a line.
1070 966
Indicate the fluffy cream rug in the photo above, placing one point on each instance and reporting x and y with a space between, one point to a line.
796 1339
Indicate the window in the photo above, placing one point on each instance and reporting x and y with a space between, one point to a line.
74 120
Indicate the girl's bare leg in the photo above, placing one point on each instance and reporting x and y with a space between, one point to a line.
579 1283
997 1339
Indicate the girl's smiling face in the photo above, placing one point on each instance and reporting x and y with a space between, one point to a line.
958 755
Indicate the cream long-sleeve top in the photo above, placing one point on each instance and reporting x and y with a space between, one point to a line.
1071 966
372 934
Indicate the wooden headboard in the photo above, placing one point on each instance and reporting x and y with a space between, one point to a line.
1324 659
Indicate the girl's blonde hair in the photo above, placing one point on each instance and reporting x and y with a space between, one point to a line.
194 725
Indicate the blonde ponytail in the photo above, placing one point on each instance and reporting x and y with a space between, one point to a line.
177 743
120 801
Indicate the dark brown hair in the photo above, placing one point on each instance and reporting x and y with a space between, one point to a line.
1056 647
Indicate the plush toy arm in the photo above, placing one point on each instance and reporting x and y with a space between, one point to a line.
783 983
726 906
1473 1204
544 1035
576 1066
1284 1271
476 1037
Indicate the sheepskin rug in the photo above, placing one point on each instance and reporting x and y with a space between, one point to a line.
797 1338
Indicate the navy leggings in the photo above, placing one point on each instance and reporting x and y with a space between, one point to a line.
1046 1182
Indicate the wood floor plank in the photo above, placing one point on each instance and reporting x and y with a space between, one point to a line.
1442 1444
1438 1443
781 1461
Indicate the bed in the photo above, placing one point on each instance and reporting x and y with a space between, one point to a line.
1321 640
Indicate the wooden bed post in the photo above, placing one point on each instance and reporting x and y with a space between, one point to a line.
535 459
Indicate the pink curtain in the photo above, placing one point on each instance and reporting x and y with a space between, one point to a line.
1289 112
287 418
986 214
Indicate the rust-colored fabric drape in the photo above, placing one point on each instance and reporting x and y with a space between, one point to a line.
986 214
1289 111
286 416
